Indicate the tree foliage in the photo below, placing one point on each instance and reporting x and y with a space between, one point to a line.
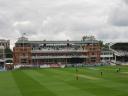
8 53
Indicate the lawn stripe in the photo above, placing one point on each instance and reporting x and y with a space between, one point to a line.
100 85
88 77
62 82
57 86
28 86
8 86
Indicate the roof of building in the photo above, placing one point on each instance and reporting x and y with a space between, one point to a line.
57 42
3 40
120 46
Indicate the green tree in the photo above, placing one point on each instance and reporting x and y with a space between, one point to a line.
8 53
101 43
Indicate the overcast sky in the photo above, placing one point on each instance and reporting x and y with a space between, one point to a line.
64 19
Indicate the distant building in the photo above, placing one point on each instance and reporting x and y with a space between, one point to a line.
5 54
120 50
5 43
2 57
106 55
86 51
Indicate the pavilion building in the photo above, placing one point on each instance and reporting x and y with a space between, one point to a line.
36 53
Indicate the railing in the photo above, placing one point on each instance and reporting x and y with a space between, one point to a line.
45 57
106 55
49 51
2 60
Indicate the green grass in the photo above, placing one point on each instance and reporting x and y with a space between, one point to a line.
62 82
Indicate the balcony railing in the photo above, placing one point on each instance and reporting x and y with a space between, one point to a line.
56 51
48 57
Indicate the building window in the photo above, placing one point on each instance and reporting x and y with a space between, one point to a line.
93 53
93 59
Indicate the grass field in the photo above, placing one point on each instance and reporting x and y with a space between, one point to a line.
62 82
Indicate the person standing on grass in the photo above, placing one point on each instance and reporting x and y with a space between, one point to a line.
101 73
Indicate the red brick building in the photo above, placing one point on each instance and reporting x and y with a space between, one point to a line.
85 51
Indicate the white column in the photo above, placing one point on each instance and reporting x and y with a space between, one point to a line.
115 58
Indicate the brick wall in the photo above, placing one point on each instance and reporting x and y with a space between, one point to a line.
22 55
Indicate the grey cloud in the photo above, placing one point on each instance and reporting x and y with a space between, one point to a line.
119 16
25 27
64 19
126 1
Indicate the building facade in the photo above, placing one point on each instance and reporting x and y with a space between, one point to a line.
2 57
107 55
120 50
5 43
85 51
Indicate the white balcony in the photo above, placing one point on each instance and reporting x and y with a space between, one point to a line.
103 56
50 57
2 60
56 51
